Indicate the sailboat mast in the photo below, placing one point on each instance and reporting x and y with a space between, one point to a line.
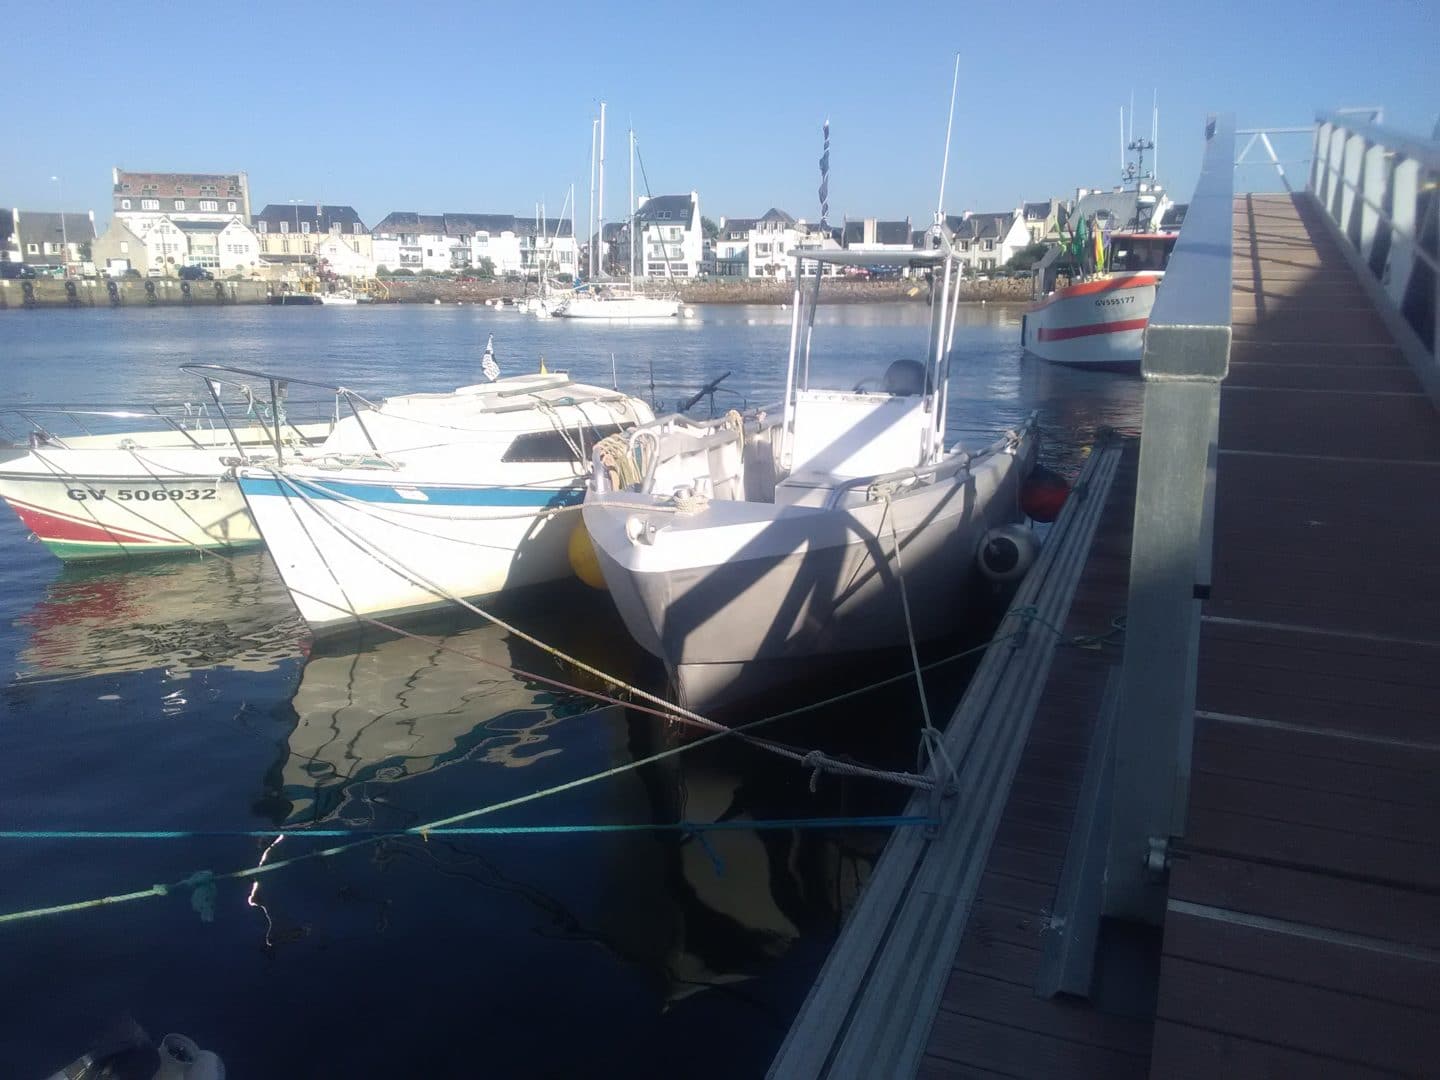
600 198
630 225
594 126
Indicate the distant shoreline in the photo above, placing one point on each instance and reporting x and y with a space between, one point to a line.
168 292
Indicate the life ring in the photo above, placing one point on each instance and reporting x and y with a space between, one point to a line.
219 292
70 292
114 290
150 292
27 289
185 290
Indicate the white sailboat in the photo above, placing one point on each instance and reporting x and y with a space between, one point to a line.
614 300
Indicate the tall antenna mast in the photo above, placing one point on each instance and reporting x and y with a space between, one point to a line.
949 127
1122 140
600 199
1155 133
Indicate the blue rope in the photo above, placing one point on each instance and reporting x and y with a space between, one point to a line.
300 833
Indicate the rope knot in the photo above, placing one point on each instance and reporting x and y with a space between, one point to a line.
814 760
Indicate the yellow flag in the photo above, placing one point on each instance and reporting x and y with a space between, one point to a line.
1099 251
543 369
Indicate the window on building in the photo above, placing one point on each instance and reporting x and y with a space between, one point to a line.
124 204
284 245
32 249
355 228
264 227
284 226
179 204
305 226
989 245
149 204
209 204
124 247
230 206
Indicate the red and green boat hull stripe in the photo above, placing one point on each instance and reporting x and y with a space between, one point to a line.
71 537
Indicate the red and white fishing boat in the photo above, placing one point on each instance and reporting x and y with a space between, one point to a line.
1099 321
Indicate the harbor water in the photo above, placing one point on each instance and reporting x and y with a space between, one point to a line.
185 696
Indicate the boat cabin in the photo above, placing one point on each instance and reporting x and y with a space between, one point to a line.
1131 252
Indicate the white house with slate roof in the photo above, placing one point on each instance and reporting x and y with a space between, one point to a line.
671 234
988 240
200 219
732 247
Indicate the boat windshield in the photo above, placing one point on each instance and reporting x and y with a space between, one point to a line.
1130 252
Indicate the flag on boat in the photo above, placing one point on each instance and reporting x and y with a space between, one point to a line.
825 176
487 363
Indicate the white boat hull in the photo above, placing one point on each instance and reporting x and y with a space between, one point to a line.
741 596
619 307
92 499
1098 323
349 546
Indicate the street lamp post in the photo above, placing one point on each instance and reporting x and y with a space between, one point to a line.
64 238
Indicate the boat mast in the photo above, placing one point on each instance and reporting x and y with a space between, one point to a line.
600 198
630 225
591 245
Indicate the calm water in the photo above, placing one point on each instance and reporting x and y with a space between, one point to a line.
183 695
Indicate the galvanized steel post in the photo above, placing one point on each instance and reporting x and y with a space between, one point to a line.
1187 354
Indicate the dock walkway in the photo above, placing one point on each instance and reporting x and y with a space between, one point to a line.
1302 935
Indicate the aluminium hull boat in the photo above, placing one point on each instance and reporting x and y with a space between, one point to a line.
744 553
434 498
740 597
1097 323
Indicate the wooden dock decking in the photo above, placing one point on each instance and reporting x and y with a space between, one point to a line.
1302 936
1303 929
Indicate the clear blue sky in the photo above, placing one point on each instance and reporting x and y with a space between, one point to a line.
487 107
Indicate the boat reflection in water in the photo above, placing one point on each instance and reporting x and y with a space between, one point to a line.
179 615
401 731
397 708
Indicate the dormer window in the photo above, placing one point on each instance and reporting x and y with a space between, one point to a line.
230 206
305 227
149 204
355 228
264 228
284 226
179 204
209 204
124 204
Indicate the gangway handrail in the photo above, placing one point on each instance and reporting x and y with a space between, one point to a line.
1186 356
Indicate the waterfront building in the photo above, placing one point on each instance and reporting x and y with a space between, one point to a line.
873 236
334 233
988 240
43 238
672 241
199 219
420 241
1042 220
732 247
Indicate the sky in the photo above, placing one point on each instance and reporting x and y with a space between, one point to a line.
451 106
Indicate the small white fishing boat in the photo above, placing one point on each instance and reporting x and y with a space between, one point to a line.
339 298
160 488
746 552
425 498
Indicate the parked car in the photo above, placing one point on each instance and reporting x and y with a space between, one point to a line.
14 270
195 273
